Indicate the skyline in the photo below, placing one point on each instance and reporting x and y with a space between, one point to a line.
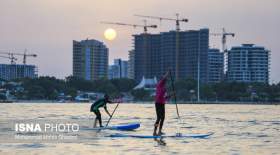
47 28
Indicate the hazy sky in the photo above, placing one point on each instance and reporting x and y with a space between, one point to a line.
47 27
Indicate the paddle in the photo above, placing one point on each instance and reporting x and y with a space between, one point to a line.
173 89
112 114
175 100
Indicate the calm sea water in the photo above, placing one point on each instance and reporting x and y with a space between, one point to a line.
239 129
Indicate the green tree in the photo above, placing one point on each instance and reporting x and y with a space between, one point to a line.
124 84
141 95
183 88
105 86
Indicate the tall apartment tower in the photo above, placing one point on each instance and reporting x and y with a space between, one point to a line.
146 55
90 59
119 69
248 63
215 66
184 52
131 60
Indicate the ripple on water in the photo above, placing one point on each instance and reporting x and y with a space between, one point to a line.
54 115
185 142
35 145
262 135
135 118
149 118
75 117
5 129
94 144
235 131
267 141
254 122
188 127
116 145
273 122
222 119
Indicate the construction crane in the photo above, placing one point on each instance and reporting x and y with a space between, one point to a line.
145 26
25 55
13 59
145 35
224 35
177 20
171 19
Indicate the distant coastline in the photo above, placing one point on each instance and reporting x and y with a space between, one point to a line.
146 102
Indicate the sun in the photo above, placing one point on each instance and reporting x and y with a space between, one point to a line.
110 34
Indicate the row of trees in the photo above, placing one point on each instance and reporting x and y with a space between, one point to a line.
186 90
225 91
50 88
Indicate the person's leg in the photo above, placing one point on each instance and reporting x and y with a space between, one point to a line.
94 124
158 118
98 114
95 120
100 120
162 117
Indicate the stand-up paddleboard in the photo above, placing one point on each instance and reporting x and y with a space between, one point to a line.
162 136
125 127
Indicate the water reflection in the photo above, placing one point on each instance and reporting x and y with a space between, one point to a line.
160 141
239 129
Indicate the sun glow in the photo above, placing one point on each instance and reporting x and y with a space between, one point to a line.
110 34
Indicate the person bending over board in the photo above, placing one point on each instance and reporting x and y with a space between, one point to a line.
160 99
95 108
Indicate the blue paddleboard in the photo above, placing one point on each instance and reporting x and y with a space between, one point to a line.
126 127
162 136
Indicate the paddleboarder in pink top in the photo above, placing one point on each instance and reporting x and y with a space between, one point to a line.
160 100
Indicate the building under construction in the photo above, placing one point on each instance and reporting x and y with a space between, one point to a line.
17 71
184 52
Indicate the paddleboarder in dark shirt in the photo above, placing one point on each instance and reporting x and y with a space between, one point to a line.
95 108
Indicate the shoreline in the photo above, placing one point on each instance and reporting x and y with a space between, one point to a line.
142 102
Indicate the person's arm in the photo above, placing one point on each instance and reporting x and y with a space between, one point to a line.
166 74
161 83
106 110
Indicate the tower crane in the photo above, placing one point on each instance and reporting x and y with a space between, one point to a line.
145 35
13 59
177 20
145 26
25 55
224 35
170 19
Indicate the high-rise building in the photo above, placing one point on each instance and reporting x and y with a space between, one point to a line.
184 52
113 72
90 59
215 66
131 64
119 69
122 66
248 63
15 71
146 56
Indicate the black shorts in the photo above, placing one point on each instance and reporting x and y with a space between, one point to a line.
160 110
97 113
